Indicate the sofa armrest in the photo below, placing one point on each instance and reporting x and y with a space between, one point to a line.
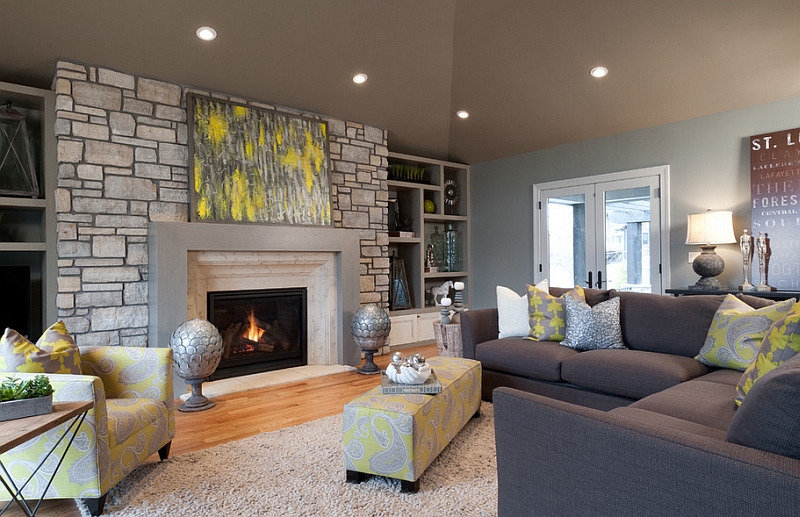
555 459
477 326
131 371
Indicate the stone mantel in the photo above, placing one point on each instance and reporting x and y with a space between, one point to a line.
171 242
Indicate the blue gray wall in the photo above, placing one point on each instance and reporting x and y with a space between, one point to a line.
709 168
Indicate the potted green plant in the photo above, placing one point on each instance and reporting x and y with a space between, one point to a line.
20 398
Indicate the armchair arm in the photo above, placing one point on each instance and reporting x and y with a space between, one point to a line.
555 458
73 388
86 465
131 371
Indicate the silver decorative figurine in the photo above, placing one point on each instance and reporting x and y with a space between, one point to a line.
197 350
370 328
762 248
746 245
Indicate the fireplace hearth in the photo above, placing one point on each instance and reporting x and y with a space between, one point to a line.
262 330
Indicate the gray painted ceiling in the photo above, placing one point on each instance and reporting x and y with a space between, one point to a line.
521 68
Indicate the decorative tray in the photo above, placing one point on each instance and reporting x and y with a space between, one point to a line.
429 387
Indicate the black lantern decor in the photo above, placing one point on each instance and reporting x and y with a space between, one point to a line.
17 172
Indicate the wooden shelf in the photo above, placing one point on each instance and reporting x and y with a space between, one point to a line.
23 246
447 274
22 202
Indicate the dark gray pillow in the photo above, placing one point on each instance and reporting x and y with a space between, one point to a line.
769 417
755 301
593 296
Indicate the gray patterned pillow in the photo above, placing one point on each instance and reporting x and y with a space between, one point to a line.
592 328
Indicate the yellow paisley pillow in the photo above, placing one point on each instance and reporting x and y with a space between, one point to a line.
737 330
781 343
54 352
546 315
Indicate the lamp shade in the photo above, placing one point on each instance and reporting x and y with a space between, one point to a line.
710 227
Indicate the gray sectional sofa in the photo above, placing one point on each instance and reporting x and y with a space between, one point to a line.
647 431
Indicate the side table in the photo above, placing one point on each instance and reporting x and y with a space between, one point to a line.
16 432
448 339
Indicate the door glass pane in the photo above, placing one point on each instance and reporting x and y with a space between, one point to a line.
566 233
627 239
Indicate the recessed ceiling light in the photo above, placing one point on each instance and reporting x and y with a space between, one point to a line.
360 78
206 33
462 114
598 72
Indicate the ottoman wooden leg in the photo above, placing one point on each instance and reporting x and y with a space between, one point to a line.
411 487
477 413
354 476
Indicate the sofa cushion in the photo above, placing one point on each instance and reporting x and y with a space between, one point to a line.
769 417
592 328
523 357
666 324
54 352
670 422
723 376
630 373
781 343
736 332
546 313
702 402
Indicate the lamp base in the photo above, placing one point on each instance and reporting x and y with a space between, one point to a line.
708 265
707 283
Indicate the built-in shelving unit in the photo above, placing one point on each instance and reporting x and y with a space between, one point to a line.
438 182
28 226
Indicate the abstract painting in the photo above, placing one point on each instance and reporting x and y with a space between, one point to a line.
256 165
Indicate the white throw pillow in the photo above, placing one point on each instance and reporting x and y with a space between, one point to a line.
512 311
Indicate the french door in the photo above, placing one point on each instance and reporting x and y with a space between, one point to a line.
604 232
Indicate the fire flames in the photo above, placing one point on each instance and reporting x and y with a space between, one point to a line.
253 332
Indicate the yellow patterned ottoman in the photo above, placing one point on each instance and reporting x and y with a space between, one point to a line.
398 436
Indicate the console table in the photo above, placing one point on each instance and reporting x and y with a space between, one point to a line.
772 295
14 433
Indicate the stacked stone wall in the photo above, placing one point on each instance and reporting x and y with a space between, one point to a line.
123 162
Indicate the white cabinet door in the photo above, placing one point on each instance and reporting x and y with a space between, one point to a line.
425 326
412 328
404 330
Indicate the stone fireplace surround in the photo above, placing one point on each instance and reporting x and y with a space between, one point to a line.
189 259
123 164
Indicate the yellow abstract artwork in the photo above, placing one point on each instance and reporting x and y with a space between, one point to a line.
257 166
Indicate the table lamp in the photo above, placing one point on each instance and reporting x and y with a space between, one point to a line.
708 229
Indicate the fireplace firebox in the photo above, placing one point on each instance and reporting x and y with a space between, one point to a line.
262 330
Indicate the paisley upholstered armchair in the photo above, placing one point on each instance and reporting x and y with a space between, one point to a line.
132 418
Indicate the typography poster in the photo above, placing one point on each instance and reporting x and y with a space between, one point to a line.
775 196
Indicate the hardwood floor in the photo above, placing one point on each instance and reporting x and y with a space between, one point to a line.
240 415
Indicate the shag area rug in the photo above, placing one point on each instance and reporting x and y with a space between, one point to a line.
299 471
